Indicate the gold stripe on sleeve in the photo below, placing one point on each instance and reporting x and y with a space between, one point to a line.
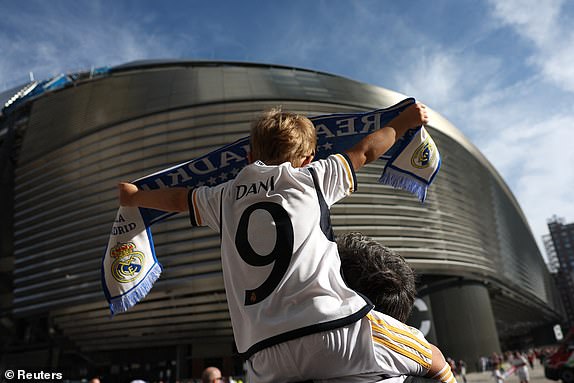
443 371
388 330
445 375
403 352
415 346
348 171
450 378
195 210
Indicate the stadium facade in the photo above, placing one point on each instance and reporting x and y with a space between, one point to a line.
68 141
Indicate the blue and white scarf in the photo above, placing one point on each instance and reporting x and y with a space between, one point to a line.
130 267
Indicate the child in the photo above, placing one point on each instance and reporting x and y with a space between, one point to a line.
518 360
498 373
387 280
293 317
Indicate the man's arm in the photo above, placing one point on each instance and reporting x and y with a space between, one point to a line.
377 143
440 369
168 199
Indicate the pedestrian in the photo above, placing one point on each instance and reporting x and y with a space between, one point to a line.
498 373
211 375
496 360
462 370
519 362
531 356
452 364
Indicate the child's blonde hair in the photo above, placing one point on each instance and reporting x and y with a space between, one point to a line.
279 137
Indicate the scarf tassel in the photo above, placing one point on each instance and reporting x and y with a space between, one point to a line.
403 181
123 302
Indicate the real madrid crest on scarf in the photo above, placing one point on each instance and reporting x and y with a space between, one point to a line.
412 163
128 262
130 267
425 155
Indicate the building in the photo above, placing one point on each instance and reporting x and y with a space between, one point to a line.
560 249
66 143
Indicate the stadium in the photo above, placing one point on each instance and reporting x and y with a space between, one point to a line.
66 142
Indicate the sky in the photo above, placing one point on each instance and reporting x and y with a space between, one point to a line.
501 71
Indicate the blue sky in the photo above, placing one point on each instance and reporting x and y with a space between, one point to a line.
501 71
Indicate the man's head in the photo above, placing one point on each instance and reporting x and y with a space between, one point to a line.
211 375
279 137
378 273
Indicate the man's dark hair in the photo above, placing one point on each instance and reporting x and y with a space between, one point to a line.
378 273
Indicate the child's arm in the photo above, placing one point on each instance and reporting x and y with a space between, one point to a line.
440 369
169 199
377 143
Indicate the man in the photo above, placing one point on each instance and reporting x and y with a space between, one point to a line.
211 375
386 279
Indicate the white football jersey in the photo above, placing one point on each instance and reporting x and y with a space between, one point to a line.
280 262
376 348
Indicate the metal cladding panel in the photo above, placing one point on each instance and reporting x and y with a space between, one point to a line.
63 116
82 140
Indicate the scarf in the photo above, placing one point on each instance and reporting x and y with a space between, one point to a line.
130 266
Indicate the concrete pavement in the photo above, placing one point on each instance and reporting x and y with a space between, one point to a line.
536 376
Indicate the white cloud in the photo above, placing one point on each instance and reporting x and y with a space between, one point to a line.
447 80
434 79
59 39
531 18
543 24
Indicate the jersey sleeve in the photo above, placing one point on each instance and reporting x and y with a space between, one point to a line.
445 375
404 349
205 206
336 177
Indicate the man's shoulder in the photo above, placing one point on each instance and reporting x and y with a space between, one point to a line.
390 322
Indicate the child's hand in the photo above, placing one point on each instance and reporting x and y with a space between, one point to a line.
126 192
412 117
